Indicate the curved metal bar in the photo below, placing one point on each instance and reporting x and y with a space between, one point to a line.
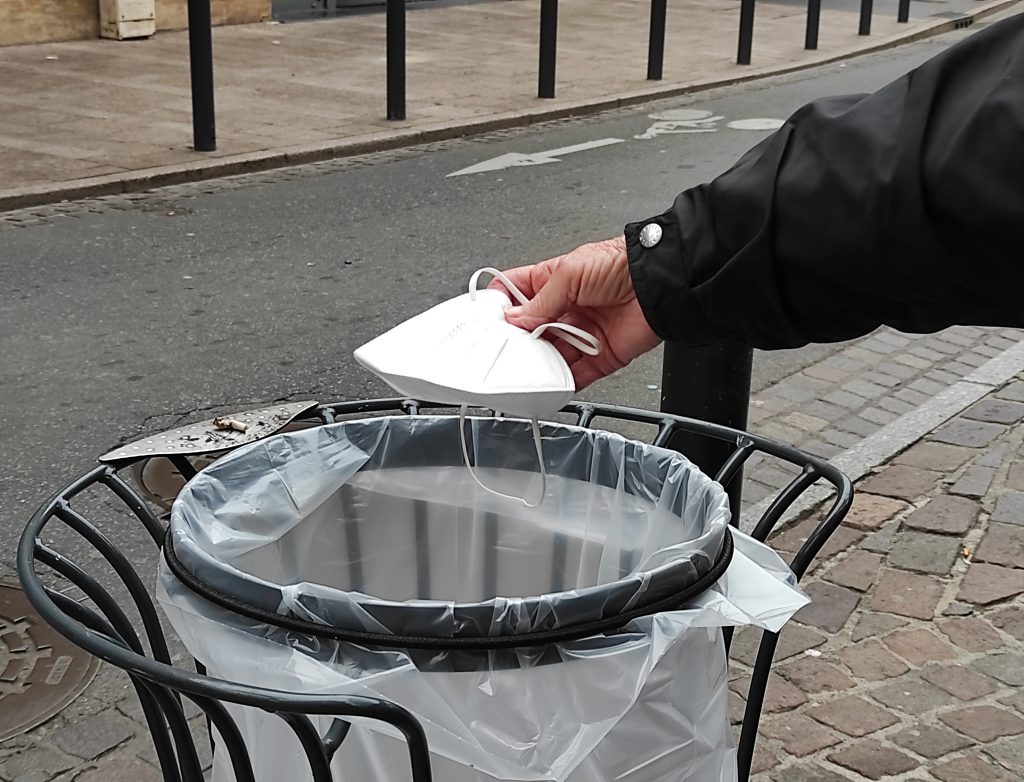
821 533
188 759
316 755
241 763
744 448
783 501
119 562
755 701
179 679
135 503
155 717
335 736
120 626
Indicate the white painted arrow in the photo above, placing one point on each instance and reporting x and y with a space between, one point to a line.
513 159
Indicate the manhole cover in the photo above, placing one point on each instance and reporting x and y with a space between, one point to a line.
40 671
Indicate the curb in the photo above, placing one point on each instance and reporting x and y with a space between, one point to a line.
894 438
212 167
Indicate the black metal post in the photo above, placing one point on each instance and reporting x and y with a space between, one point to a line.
200 53
656 45
746 32
396 58
813 20
712 384
865 17
903 15
548 40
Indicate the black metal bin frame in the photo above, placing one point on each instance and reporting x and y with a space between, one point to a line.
99 624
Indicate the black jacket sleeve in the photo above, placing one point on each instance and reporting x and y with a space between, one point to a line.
903 207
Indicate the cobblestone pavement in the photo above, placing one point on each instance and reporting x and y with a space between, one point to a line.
909 664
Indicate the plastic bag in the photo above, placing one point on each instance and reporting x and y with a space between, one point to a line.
376 525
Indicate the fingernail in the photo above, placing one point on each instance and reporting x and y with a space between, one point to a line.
513 312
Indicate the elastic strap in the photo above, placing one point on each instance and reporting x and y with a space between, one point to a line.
540 461
587 342
582 340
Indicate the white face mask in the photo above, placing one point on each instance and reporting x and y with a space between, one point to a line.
463 352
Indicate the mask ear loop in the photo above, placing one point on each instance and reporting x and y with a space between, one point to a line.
517 294
540 460
586 342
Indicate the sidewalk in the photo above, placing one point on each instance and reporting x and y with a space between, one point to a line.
96 117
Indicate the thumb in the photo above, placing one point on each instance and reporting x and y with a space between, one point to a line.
550 303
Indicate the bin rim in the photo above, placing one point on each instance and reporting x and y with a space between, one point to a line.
664 599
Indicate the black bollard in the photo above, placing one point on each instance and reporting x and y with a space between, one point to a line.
548 41
865 17
396 59
656 44
712 384
746 32
813 20
200 53
903 14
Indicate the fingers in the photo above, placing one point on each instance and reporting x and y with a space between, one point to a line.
554 297
587 371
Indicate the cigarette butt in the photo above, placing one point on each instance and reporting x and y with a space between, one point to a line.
230 423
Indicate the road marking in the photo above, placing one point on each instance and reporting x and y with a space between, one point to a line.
515 159
681 121
756 123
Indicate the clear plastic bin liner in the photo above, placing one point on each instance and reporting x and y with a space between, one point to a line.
376 525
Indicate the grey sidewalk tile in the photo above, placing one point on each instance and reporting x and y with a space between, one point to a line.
892 338
873 760
895 369
1014 391
924 553
840 438
943 376
912 361
882 379
975 482
897 406
928 387
865 388
1009 508
859 426
972 434
912 695
926 353
878 416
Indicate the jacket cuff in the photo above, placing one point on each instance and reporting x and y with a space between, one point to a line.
661 278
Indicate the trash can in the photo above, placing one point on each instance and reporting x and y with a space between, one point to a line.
578 640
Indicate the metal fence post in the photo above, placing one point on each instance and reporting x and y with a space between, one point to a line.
903 14
746 32
865 17
656 44
713 384
548 41
813 21
200 53
396 58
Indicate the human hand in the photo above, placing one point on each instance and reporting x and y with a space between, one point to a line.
590 288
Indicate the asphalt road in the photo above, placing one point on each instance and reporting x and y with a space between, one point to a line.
122 321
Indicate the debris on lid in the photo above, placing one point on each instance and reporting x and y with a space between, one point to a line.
230 423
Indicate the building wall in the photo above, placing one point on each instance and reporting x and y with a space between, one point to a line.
38 21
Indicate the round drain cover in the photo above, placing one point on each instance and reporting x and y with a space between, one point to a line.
41 672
